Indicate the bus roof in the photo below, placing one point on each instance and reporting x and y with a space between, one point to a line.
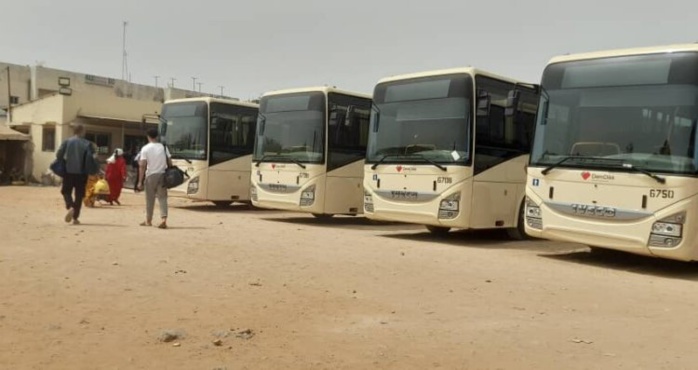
209 100
462 70
325 89
625 52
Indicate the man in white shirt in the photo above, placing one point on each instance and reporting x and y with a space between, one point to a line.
154 160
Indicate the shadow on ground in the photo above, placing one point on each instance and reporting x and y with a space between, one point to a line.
235 208
486 239
630 263
566 252
344 222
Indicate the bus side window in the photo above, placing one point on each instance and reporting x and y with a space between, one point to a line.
232 132
497 139
347 134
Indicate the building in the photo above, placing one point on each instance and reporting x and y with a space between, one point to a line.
45 102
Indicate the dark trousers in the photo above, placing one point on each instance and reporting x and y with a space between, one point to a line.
136 167
74 182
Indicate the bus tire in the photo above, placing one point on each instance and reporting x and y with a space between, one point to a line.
438 230
221 203
519 232
322 216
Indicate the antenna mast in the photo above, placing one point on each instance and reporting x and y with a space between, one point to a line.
124 60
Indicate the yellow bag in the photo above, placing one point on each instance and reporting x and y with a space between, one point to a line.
101 187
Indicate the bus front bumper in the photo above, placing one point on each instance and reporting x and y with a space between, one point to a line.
639 236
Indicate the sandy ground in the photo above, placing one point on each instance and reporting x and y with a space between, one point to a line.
343 294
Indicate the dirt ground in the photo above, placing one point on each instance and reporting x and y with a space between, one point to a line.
269 290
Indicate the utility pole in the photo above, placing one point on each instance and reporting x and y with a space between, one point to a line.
193 83
199 83
9 97
221 87
172 80
156 80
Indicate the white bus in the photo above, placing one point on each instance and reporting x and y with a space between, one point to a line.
614 162
442 154
212 140
309 151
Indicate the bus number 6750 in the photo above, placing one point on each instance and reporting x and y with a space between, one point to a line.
662 193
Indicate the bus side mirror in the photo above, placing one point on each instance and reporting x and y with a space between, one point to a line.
483 103
262 122
512 103
163 129
349 117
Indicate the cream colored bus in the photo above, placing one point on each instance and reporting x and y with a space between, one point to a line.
441 152
615 160
309 151
212 140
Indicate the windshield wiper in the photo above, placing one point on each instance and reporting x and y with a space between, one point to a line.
181 158
659 179
593 161
556 164
441 167
384 157
174 156
297 162
629 166
267 156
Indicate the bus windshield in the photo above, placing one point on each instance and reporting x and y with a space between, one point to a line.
187 129
634 111
291 128
421 119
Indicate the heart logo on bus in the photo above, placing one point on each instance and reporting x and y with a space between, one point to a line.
273 166
586 175
398 168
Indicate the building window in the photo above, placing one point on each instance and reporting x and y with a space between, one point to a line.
48 139
103 141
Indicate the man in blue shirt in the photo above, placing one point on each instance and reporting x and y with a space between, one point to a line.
76 151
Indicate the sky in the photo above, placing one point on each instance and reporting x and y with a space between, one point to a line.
256 46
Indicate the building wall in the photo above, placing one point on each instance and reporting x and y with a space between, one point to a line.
20 82
102 104
47 82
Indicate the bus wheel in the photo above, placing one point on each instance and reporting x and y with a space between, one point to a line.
222 203
519 232
438 230
322 216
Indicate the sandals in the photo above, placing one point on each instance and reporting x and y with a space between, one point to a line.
162 225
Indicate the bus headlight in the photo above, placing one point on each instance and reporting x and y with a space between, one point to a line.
668 231
368 201
308 196
253 192
665 228
449 206
193 186
533 215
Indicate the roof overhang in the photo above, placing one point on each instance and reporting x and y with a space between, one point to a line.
6 133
